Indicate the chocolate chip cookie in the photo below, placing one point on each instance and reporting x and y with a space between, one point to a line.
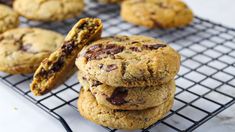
49 10
23 49
156 13
8 18
120 119
129 61
121 98
54 69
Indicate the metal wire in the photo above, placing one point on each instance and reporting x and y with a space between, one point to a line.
205 84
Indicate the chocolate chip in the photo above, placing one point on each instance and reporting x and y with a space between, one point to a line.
57 65
154 47
26 47
134 42
1 37
96 83
100 66
84 78
118 96
111 67
68 47
135 49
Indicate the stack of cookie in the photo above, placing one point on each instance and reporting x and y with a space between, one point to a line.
128 81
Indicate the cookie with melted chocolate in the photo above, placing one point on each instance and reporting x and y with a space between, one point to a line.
129 61
157 13
121 98
90 109
23 49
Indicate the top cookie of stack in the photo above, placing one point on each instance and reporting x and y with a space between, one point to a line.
135 61
128 81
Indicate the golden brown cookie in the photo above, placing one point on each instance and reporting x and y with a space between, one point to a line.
156 13
23 49
129 61
49 10
54 69
8 18
120 119
121 98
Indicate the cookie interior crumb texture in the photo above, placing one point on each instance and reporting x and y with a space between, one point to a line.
55 69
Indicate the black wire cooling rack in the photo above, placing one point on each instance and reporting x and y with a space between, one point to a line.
205 83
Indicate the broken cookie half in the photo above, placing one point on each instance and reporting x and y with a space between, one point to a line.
60 64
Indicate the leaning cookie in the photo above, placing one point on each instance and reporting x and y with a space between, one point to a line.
135 119
23 49
121 98
49 10
8 18
156 13
129 61
55 69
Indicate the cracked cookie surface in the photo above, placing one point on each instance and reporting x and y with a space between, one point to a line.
120 119
23 49
49 10
157 13
8 18
121 98
60 64
129 61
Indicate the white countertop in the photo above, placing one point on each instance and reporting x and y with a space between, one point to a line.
18 114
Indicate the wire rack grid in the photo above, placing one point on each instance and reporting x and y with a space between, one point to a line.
205 83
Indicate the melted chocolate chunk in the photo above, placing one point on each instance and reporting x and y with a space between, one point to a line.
95 47
118 96
6 2
68 47
42 73
96 83
25 47
113 49
154 47
98 52
135 49
111 67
